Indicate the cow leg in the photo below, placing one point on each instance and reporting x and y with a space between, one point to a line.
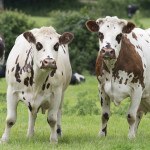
52 114
105 104
132 112
59 115
138 119
31 123
11 114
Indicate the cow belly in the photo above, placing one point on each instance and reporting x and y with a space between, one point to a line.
116 92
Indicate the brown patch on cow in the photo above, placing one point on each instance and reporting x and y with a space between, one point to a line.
26 81
17 75
134 36
17 59
126 81
130 119
101 101
120 81
100 65
12 69
48 85
105 130
139 47
105 117
43 87
29 106
129 61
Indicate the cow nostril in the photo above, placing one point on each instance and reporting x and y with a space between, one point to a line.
112 52
45 62
103 51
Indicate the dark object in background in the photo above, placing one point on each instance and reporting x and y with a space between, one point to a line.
131 10
2 71
77 78
2 47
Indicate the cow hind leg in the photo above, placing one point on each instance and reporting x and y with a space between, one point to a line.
11 114
105 103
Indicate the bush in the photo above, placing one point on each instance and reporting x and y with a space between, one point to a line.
13 23
83 49
85 105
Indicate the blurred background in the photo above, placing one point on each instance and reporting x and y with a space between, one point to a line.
69 15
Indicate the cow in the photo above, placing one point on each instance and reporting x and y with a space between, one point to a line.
38 71
122 68
77 79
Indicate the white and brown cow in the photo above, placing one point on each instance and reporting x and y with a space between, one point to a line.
38 72
122 68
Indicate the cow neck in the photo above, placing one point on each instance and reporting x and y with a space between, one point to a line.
39 76
103 65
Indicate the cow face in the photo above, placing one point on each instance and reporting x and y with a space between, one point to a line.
45 44
110 31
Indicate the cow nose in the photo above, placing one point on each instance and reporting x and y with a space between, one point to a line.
49 63
108 53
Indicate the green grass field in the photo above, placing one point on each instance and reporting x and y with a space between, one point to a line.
81 120
80 131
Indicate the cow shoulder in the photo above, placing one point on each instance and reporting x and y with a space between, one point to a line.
129 61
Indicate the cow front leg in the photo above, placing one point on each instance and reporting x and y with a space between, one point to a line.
11 114
52 115
132 112
59 116
31 123
105 104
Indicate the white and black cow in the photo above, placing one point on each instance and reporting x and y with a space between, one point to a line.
38 71
122 68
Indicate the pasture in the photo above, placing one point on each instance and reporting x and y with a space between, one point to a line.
80 127
80 121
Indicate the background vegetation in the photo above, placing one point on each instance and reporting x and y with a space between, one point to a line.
67 15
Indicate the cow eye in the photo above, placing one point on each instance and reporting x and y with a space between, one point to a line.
56 46
101 36
118 37
39 46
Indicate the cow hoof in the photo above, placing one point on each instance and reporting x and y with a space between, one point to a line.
3 141
54 141
131 136
101 134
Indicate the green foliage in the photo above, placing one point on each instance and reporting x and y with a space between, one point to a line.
13 23
83 49
85 105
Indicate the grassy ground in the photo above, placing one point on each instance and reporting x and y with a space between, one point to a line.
79 131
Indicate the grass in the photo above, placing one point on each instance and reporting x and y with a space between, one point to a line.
79 131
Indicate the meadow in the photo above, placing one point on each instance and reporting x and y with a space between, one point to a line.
80 126
81 120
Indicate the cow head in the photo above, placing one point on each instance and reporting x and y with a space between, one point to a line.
45 44
110 32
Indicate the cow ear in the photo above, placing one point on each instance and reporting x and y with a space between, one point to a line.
29 37
66 38
92 26
128 28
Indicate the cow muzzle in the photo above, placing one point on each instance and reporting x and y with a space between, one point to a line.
108 53
49 63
